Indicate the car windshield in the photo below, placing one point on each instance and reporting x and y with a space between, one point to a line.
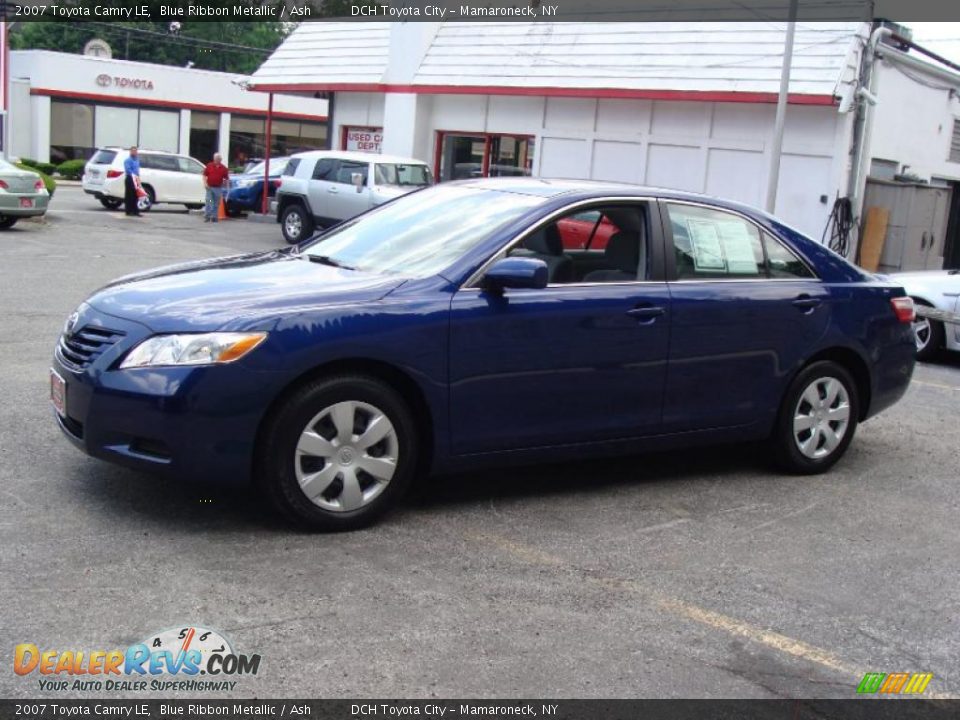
422 233
399 174
276 167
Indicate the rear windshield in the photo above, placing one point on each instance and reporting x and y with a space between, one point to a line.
103 157
397 174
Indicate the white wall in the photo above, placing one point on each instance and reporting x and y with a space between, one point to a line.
715 148
913 123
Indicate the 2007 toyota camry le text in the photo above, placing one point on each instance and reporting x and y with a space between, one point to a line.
459 325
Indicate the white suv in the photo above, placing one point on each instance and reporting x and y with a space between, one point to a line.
166 178
328 186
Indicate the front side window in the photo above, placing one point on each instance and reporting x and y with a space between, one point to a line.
712 244
421 233
348 168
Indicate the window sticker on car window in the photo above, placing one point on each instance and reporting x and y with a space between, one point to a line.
705 243
722 246
738 248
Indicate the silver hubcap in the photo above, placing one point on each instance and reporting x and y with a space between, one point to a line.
821 417
143 203
921 332
293 225
346 456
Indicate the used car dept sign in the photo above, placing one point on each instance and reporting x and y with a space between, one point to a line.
364 140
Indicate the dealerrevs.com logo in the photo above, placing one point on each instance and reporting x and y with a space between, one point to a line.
184 659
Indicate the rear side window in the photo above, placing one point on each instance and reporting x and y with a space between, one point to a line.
159 162
324 169
103 157
712 244
291 168
189 165
782 262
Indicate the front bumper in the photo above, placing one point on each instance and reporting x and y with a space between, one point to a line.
197 423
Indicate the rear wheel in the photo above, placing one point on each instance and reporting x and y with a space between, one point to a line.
111 203
338 453
817 420
928 334
145 203
296 223
7 222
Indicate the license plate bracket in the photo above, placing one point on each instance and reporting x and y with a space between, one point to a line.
58 393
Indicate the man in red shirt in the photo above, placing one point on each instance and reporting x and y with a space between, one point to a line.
216 180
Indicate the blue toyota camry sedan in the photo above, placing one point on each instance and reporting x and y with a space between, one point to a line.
452 328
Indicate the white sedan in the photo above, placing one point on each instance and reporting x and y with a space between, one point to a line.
937 296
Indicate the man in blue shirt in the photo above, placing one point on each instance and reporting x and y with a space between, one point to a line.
131 168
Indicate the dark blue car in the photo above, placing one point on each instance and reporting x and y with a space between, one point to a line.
246 190
450 328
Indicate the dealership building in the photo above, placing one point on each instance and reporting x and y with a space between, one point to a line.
679 105
63 106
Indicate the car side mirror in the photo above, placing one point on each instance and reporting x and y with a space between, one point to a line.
516 272
357 180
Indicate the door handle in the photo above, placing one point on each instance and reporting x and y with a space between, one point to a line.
646 313
806 304
332 190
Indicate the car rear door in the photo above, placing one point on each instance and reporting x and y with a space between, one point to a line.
162 173
570 363
746 311
319 184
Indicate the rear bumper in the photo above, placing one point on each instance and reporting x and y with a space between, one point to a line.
892 370
10 204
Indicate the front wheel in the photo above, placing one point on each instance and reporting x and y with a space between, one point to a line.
296 223
338 453
817 420
7 221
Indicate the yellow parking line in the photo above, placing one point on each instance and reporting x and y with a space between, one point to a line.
769 638
936 385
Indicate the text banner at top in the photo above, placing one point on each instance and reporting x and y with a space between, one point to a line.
760 11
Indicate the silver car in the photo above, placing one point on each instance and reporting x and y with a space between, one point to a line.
22 194
937 297
324 187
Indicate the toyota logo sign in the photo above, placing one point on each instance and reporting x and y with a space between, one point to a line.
103 80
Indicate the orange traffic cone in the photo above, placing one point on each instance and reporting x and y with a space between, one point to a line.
222 210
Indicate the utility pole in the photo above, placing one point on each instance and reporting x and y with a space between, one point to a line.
777 148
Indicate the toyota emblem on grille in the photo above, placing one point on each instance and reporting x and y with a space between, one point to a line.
71 323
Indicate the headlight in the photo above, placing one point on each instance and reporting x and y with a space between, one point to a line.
206 349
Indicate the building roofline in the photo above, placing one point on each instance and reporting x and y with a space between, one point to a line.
576 92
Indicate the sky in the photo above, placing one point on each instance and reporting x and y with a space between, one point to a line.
942 38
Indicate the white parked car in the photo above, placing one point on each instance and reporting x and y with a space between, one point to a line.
327 186
939 292
166 178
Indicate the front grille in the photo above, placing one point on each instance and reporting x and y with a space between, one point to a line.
79 349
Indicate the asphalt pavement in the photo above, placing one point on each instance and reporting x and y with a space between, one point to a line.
693 574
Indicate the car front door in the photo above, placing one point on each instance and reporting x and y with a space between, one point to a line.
570 363
346 199
746 310
191 180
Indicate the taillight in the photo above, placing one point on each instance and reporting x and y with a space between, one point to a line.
114 173
277 183
4 186
904 308
38 186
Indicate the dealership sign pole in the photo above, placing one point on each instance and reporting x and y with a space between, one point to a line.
774 176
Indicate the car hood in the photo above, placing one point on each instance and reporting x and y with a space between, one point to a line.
235 291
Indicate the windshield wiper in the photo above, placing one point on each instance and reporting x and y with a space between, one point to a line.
327 260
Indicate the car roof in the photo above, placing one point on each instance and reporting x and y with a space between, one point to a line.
359 156
588 189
